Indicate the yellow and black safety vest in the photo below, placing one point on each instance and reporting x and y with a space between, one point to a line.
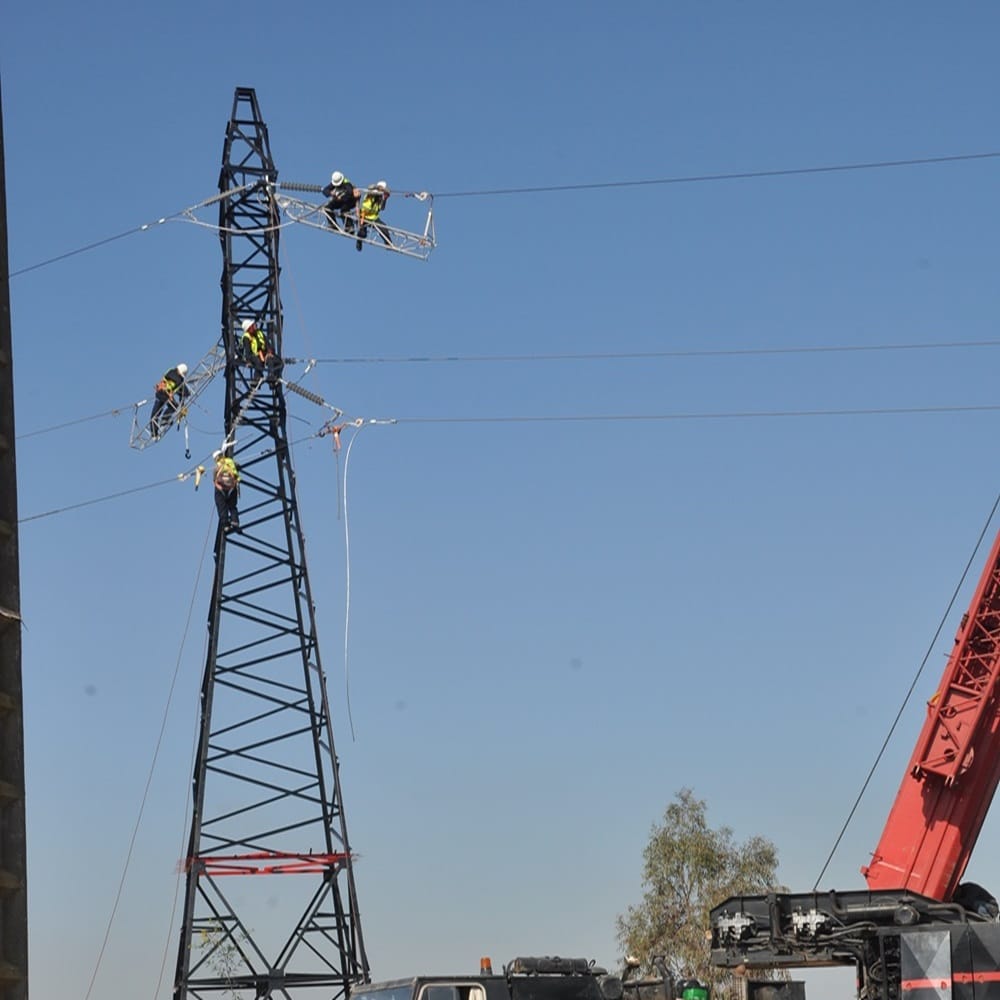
257 342
374 202
226 473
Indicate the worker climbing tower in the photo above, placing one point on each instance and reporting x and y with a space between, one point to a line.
270 904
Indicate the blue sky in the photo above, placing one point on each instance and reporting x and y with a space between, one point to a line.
555 625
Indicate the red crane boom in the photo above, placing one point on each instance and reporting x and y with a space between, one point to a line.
955 768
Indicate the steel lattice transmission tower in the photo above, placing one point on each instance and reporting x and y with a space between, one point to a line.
270 904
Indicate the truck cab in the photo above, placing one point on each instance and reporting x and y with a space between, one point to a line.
544 978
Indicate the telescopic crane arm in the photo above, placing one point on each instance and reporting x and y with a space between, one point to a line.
953 773
915 933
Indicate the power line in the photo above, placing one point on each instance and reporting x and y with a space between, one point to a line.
183 213
703 178
579 356
579 418
591 186
89 246
719 415
179 478
617 355
648 355
96 500
80 420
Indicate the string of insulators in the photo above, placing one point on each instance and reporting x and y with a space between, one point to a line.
306 394
292 186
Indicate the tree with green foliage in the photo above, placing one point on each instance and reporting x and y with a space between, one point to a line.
687 869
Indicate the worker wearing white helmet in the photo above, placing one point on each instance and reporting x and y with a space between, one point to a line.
171 391
255 348
371 211
343 199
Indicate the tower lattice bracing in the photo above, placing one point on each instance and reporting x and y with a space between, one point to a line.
270 904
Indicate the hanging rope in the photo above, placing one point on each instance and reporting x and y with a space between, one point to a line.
359 427
335 430
149 776
168 940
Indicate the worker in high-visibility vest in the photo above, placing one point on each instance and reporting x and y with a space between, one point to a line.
371 210
171 393
227 491
255 348
343 197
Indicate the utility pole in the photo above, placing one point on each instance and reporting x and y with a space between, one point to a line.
270 905
13 854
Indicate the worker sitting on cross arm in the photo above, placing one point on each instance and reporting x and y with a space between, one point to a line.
343 197
170 393
372 206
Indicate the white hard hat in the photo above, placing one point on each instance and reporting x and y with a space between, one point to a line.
337 177
216 454
246 324
382 185
182 369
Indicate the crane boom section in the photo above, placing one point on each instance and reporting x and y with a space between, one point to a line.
953 773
